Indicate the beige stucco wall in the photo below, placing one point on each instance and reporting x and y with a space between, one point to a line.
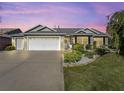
13 41
66 39
62 43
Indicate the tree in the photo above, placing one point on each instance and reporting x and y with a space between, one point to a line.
115 28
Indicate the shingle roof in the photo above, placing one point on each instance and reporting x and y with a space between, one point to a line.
9 31
67 30
96 31
41 29
44 30
80 31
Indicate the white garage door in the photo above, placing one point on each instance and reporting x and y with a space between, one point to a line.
44 43
19 44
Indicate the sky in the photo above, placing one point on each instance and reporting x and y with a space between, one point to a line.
54 14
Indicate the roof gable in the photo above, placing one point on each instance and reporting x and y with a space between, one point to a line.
80 31
88 31
41 29
96 31
84 31
46 29
34 29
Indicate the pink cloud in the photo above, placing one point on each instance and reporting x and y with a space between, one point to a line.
97 26
51 24
47 22
23 27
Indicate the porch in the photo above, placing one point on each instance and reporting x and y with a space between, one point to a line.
97 41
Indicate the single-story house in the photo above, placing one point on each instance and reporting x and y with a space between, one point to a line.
45 38
5 38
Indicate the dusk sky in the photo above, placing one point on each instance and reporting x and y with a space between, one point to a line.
81 14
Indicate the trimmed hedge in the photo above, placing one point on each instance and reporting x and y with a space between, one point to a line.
102 51
9 48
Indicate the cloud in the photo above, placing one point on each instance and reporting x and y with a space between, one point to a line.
52 23
102 9
22 12
27 15
46 14
43 9
101 27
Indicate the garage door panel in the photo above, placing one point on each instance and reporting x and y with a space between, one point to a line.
44 43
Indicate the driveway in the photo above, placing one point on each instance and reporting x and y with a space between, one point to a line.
29 71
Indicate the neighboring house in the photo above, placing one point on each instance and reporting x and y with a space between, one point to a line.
45 38
5 36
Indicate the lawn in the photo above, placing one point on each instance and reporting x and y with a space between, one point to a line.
106 73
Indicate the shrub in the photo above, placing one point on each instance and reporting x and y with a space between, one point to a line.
88 46
78 47
89 54
77 55
71 57
8 48
102 51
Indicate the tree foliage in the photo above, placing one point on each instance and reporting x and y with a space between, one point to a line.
115 28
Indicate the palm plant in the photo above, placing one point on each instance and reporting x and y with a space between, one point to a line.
115 28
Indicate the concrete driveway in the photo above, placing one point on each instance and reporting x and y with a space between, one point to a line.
31 71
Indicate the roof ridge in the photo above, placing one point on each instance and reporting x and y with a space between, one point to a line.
91 30
97 30
33 28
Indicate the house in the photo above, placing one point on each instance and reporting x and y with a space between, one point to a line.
45 38
5 38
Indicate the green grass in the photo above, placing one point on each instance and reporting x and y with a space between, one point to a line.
106 73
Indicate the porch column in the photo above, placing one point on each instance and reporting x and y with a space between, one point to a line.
75 39
103 40
90 40
71 40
